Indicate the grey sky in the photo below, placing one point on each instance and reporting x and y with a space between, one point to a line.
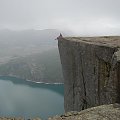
84 17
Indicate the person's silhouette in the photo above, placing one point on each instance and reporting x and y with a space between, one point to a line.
59 37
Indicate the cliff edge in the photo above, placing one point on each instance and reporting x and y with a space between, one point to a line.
91 70
103 112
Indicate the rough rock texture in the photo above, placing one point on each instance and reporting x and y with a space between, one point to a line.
104 112
91 70
11 118
17 118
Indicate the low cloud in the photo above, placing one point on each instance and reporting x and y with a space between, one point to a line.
83 17
91 27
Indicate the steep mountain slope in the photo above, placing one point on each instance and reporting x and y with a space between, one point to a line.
29 54
41 67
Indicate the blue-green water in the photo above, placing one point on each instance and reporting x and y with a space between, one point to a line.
27 99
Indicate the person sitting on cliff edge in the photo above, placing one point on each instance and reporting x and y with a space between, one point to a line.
59 37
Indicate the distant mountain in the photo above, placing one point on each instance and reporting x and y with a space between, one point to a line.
30 36
43 67
15 43
31 54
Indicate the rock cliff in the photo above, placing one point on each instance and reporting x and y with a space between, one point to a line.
91 70
103 112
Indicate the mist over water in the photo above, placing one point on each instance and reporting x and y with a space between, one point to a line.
29 99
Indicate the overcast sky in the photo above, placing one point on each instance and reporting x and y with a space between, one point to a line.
87 17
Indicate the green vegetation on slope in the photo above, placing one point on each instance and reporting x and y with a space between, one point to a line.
41 67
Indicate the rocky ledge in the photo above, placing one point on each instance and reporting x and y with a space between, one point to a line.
17 118
91 70
103 112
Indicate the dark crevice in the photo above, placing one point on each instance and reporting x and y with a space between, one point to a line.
84 99
98 88
74 77
73 95
94 71
118 85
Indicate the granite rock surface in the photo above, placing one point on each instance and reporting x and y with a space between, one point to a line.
91 70
103 112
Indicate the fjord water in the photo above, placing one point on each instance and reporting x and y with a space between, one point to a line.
27 99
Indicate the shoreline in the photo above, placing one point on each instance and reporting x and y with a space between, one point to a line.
29 80
42 82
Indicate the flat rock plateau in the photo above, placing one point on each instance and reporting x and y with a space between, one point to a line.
91 70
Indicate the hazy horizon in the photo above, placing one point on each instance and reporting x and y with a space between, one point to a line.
82 17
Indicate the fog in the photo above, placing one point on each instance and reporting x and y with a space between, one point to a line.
82 17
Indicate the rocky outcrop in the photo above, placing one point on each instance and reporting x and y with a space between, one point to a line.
104 112
91 70
17 118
